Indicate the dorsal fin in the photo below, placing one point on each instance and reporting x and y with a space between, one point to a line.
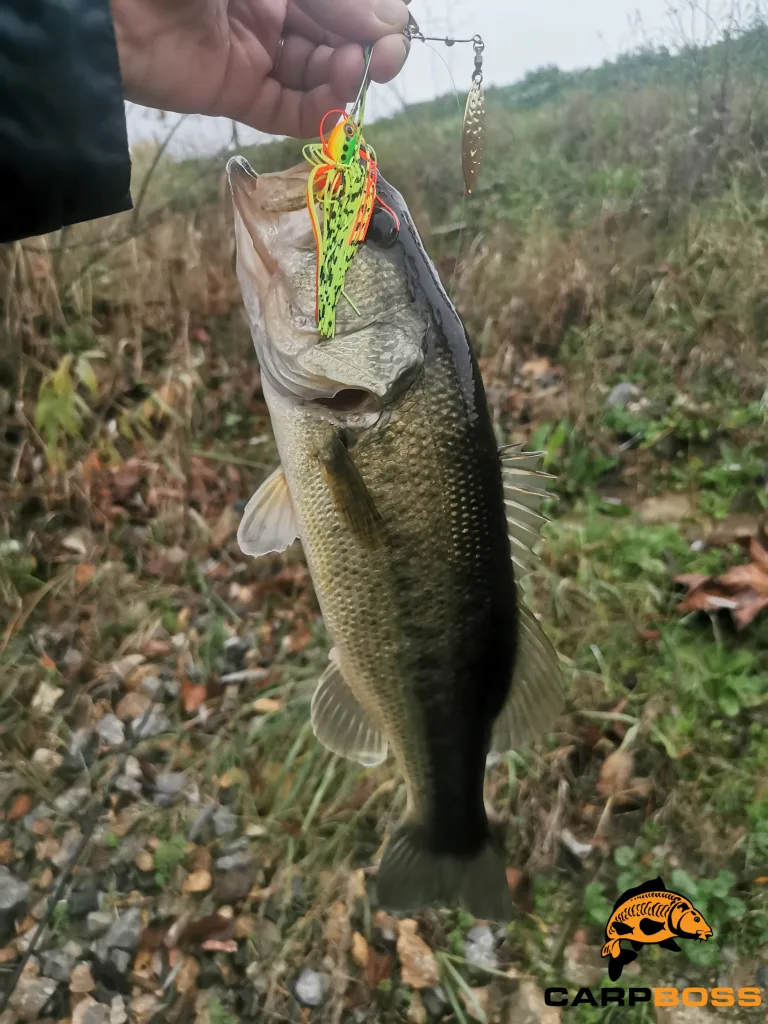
655 885
523 494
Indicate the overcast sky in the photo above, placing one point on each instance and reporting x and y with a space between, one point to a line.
520 35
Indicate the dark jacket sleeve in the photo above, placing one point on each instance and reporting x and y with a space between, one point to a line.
63 143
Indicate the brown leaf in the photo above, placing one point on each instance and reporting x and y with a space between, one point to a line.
514 875
84 573
21 806
193 696
187 976
7 852
749 608
379 967
359 949
477 1006
220 945
198 881
615 773
213 926
418 966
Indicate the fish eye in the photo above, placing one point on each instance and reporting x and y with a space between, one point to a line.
349 131
382 230
697 919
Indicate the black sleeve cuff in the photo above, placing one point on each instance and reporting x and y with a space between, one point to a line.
63 141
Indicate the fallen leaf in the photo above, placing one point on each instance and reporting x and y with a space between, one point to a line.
187 975
359 949
220 945
232 777
477 1004
133 705
193 696
145 861
416 1012
742 590
615 773
418 966
84 573
266 705
513 878
198 881
379 967
7 852
337 924
21 805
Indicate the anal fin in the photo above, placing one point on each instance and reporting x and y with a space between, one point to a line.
536 696
269 522
339 721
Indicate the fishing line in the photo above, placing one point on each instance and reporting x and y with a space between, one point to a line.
415 33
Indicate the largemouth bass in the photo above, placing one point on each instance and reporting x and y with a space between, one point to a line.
412 522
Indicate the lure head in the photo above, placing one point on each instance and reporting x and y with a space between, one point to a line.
343 144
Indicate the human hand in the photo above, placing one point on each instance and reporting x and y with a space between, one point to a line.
276 65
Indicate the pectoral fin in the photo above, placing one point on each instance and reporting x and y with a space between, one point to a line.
671 945
349 492
269 521
536 696
339 721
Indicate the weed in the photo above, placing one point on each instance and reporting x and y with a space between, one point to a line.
168 855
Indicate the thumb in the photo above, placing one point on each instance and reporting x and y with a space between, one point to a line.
359 21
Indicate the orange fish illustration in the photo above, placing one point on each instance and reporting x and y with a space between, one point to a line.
650 915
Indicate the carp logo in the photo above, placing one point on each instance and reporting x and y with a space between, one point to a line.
646 916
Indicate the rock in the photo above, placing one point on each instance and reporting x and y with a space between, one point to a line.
168 786
98 922
234 861
197 882
480 947
117 1011
312 987
527 1006
40 813
155 724
152 686
123 934
46 698
111 731
121 958
133 705
69 844
31 995
84 899
224 821
234 886
88 1011
73 800
81 982
47 760
125 784
57 965
435 1001
666 508
13 892
622 394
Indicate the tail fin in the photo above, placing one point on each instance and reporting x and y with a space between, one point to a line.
411 877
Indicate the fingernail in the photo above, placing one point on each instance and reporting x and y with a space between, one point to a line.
393 13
